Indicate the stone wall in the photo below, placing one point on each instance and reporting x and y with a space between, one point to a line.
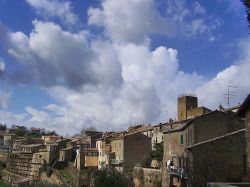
201 129
117 146
215 124
197 111
146 177
3 156
185 103
137 148
172 148
66 154
247 136
219 160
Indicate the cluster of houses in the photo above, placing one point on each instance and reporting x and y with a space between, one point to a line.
200 147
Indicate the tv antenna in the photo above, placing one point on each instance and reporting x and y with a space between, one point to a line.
202 102
230 94
130 119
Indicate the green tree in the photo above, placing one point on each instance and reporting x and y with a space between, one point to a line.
111 178
157 152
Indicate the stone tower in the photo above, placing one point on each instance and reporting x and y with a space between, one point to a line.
184 104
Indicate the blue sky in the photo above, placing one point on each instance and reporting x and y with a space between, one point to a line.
66 65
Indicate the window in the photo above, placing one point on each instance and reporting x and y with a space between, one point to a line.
181 139
155 139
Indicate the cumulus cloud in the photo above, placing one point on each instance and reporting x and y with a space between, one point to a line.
132 80
57 57
5 97
99 82
2 66
10 118
129 20
236 75
151 83
55 8
198 8
139 18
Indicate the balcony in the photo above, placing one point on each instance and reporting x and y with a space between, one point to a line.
177 166
115 162
177 171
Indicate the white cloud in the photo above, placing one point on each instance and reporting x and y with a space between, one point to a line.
198 8
134 20
10 118
5 97
97 82
57 57
2 66
55 8
236 75
149 90
129 20
132 79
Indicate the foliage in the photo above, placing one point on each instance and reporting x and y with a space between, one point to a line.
3 127
48 171
20 133
157 152
247 4
111 178
4 183
46 168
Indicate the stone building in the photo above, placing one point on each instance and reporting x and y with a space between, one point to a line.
16 143
91 137
146 177
244 112
221 159
104 149
50 138
66 154
86 159
8 140
129 150
189 132
188 107
20 163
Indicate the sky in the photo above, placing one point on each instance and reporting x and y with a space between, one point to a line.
69 65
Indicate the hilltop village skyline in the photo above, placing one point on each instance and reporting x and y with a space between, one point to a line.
65 65
182 152
92 128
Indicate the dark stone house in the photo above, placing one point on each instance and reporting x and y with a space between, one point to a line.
244 112
185 147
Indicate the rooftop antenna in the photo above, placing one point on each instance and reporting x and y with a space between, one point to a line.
230 94
202 101
130 119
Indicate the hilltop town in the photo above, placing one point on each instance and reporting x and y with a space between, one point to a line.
201 147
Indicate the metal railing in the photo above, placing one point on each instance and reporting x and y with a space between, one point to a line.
177 170
114 161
